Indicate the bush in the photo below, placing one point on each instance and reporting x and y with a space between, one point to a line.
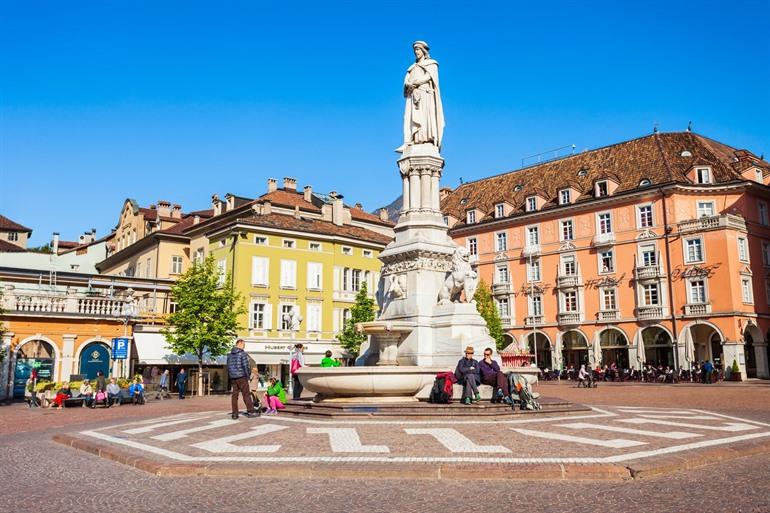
123 382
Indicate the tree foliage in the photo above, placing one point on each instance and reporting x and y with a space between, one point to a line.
486 306
206 316
362 311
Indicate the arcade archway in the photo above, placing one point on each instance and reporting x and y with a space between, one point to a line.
541 348
658 347
38 356
574 349
614 344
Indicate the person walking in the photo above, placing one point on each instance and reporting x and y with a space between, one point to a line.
238 369
162 386
181 383
297 362
708 370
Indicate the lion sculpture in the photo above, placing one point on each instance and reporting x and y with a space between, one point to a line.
461 279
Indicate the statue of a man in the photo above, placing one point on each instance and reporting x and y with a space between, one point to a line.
424 115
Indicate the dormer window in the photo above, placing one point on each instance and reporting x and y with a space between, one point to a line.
565 197
518 188
471 216
645 183
703 175
499 210
583 172
531 204
602 189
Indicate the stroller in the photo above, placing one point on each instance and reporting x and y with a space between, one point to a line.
521 393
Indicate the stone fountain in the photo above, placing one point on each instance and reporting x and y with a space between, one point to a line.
425 294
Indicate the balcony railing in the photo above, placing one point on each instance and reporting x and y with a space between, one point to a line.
603 239
713 223
534 320
67 303
647 272
530 250
608 315
568 318
500 289
505 321
568 281
649 313
697 309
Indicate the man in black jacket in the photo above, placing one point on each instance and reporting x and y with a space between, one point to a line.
467 374
239 371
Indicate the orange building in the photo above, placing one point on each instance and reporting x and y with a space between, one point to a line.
654 250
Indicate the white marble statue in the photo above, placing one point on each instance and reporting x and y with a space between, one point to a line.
293 318
424 115
461 279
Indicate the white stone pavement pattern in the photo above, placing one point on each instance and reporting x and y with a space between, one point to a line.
605 435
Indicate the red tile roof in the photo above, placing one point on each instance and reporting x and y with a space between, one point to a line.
361 215
12 226
284 198
180 227
657 158
7 247
289 222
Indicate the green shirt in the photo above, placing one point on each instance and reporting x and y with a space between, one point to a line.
277 391
329 362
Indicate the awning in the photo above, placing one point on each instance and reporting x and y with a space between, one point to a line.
152 349
279 352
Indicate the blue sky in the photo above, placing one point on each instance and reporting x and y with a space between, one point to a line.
100 101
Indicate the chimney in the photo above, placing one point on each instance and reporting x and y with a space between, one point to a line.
93 234
176 211
55 243
359 206
289 184
272 185
216 204
230 199
338 210
196 219
267 208
164 208
308 193
384 216
444 192
296 212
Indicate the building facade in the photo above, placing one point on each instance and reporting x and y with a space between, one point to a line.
655 250
13 235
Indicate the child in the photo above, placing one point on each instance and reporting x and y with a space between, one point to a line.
275 397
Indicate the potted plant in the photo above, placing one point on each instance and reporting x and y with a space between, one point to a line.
735 371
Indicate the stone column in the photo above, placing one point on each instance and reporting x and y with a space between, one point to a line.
760 353
67 357
425 193
434 190
405 193
6 371
414 193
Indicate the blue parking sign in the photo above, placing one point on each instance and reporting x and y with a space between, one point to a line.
120 348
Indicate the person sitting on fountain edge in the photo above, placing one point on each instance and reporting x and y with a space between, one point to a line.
467 374
492 375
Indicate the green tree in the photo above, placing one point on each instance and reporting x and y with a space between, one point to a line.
362 311
206 317
488 310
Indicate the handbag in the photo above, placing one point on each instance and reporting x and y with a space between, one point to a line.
294 366
101 396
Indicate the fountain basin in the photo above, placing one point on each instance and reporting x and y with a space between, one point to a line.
367 384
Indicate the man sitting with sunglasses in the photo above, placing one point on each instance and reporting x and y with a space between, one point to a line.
493 376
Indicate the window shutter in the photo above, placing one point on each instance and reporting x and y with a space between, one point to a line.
268 316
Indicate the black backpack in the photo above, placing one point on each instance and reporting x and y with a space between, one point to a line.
437 393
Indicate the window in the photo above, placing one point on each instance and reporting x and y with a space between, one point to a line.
705 208
743 250
446 220
149 269
346 279
315 246
314 317
222 243
314 275
473 246
176 264
260 240
651 295
260 267
502 275
609 299
260 316
568 265
503 308
499 210
347 250
567 231
288 274
536 305
502 241
602 189
367 253
13 236
605 223
645 182
533 270
570 301
697 291
746 292
222 268
648 256
531 203
702 175
471 216
564 197
766 253
763 220
607 261
644 219
289 243
286 317
767 290
355 280
139 269
198 256
693 250
533 236
172 307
